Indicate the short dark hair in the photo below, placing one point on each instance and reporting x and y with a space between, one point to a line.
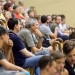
53 15
68 46
53 18
72 35
2 30
12 22
43 19
15 6
62 17
29 11
44 61
57 55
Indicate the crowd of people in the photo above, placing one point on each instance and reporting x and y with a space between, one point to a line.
30 37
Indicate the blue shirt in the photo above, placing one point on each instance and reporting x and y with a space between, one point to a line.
59 32
17 46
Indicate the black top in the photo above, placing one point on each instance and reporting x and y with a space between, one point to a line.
71 70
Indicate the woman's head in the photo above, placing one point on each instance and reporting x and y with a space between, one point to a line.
7 15
8 7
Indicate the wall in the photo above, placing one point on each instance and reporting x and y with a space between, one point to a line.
66 7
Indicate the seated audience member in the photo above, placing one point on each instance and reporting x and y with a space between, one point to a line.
31 14
17 12
72 35
62 25
7 15
4 39
9 7
49 20
1 15
53 18
47 66
48 36
22 56
60 34
23 22
34 10
21 11
38 17
60 60
69 51
28 37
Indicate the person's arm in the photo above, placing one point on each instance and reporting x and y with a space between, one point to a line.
27 39
26 53
10 45
54 35
34 49
10 66
39 44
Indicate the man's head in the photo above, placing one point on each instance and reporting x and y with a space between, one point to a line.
63 21
43 19
58 19
49 19
4 38
60 60
32 24
14 24
48 65
69 51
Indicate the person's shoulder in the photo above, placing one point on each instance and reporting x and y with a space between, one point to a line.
65 72
23 31
13 36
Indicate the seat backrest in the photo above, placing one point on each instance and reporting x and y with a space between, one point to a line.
58 45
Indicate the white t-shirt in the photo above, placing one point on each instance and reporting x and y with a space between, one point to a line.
62 27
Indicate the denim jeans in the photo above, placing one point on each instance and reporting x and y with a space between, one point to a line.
33 62
64 37
43 52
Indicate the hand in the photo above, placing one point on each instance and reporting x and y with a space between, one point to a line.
37 31
10 43
56 28
40 49
50 48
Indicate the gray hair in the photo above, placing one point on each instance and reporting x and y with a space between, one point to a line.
30 22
